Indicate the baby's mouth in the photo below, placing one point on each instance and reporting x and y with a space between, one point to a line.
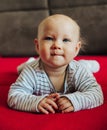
56 53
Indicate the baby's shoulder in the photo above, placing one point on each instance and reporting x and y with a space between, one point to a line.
74 64
34 65
77 67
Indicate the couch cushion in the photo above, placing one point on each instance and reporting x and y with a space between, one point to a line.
74 3
93 24
9 5
18 30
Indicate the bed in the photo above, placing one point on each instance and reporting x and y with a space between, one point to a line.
92 119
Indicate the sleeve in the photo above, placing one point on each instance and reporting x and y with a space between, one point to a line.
88 93
21 95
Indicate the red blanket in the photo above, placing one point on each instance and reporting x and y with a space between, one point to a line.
93 119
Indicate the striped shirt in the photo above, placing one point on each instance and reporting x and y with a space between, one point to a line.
33 84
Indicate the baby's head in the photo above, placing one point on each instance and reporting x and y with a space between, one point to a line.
58 40
63 23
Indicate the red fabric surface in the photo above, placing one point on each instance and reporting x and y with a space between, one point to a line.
93 119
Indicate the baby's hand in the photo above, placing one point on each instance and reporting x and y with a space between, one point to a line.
48 104
65 105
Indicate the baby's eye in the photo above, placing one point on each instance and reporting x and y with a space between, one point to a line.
48 38
66 40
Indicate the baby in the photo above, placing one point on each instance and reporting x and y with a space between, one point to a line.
55 82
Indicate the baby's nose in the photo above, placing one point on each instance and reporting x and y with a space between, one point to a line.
56 45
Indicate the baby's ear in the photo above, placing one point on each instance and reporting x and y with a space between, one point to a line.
36 45
77 48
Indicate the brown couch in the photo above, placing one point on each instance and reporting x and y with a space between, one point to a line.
19 20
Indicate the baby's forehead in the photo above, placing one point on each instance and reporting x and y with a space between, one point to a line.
58 20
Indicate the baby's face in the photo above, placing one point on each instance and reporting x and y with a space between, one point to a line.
58 42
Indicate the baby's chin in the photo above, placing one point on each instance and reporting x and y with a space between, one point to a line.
57 65
55 61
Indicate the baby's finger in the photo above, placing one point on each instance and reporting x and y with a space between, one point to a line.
61 101
69 109
43 110
52 103
64 106
49 108
46 108
54 96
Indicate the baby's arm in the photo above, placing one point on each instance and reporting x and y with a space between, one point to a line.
88 93
21 94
